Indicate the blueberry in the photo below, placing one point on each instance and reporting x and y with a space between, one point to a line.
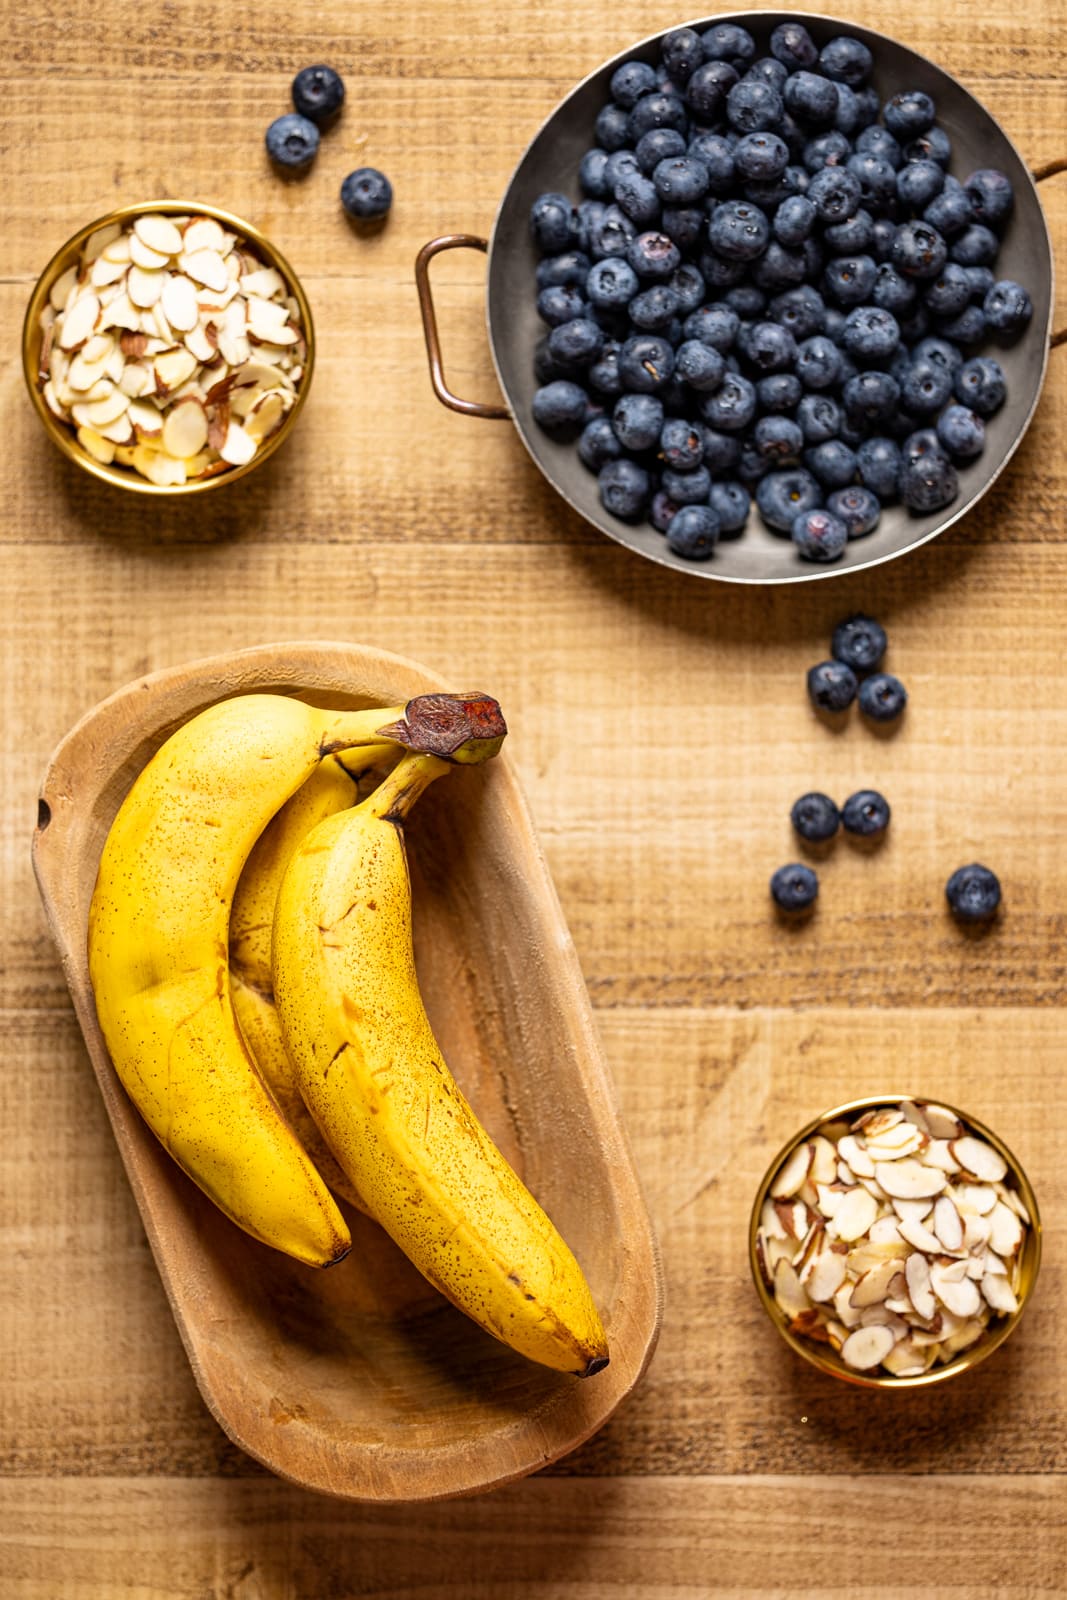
779 268
560 409
569 268
693 532
860 642
811 99
830 149
991 196
977 246
968 328
926 388
553 222
767 346
819 535
657 110
620 164
882 697
878 464
638 421
683 51
728 41
870 397
819 418
866 812
630 81
682 180
973 893
779 393
624 489
752 467
681 444
818 362
612 128
877 181
795 887
778 440
646 363
559 303
835 193
661 511
591 174
653 255
981 280
802 310
612 235
961 432
292 143
979 383
939 351
919 445
659 144
761 156
576 343
847 60
792 45
950 292
732 406
683 225
720 273
637 198
708 88
686 488
848 118
653 309
919 182
715 325
318 93
611 284
738 231
950 211
928 484
699 365
748 301
688 286
794 220
850 279
878 141
933 145
722 451
883 232
832 686
783 496
832 462
909 113
851 237
768 70
1007 307
731 504
603 375
598 444
919 251
815 817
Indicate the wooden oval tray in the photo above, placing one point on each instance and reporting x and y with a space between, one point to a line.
362 1381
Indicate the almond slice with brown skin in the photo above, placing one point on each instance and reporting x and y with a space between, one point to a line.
146 420
206 267
941 1123
185 429
920 1237
938 1154
238 447
1005 1230
866 1348
173 368
977 1197
979 1159
917 1278
60 290
102 450
855 1214
960 1296
788 1290
849 1149
79 322
793 1171
142 255
948 1224
908 1179
179 303
823 1275
999 1294
873 1287
823 1160
159 234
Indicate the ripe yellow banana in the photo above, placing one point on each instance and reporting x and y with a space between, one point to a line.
371 1072
331 787
158 946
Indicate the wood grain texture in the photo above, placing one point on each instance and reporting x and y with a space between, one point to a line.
661 732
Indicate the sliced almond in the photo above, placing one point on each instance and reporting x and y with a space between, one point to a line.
60 290
53 402
793 1171
938 1153
104 272
942 1123
121 313
179 303
79 323
976 1230
867 1347
146 419
1013 1199
905 1139
873 1287
855 1214
885 1231
920 1237
118 249
206 267
98 242
823 1167
875 1123
164 470
947 1223
965 1336
100 449
905 1361
136 380
198 343
159 234
204 233
908 1179
917 1278
185 429
913 1210
102 412
238 447
1005 1230
145 285
823 1275
979 1159
173 368
142 255
788 1290
977 1197
850 1150
960 1296
263 419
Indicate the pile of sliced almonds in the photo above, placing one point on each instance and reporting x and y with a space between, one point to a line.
896 1241
171 348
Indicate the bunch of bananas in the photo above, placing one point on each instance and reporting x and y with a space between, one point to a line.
250 950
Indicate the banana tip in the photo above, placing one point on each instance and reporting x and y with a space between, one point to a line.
595 1364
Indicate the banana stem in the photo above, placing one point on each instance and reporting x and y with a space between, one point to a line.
397 793
466 728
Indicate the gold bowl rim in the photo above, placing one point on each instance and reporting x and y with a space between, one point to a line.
827 1360
61 435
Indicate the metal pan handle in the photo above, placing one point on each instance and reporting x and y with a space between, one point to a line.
447 241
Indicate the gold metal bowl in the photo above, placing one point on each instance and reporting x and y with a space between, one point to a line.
824 1356
64 438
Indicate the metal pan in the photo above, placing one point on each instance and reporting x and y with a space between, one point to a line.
551 162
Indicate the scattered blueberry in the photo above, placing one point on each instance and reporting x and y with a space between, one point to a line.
882 697
866 813
815 817
832 686
318 93
794 888
292 142
859 642
973 893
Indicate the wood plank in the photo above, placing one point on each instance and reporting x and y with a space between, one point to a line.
759 1538
708 1098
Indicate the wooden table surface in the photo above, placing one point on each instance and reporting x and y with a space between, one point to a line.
661 729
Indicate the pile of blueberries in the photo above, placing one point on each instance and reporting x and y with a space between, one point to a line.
857 648
767 291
